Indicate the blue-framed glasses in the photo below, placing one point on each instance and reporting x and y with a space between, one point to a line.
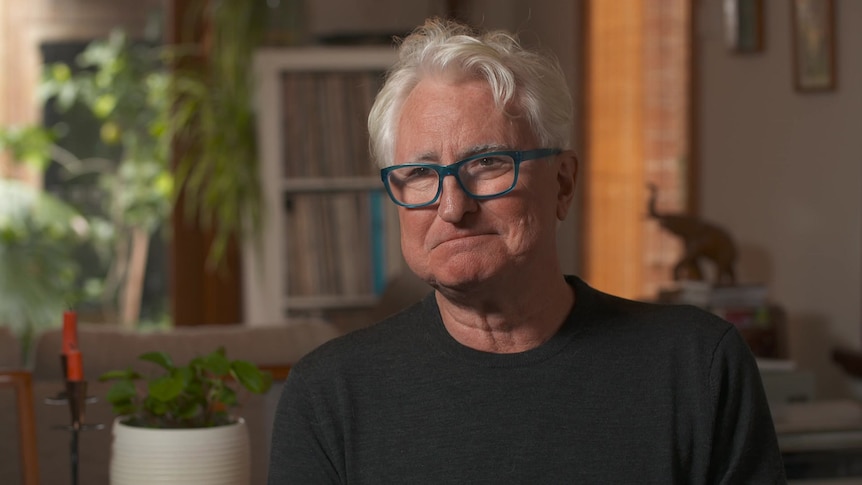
483 176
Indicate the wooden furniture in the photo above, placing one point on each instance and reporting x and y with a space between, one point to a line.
21 382
850 361
278 372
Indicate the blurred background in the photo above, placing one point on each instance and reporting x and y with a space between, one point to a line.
152 176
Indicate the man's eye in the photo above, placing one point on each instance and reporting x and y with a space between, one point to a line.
418 172
491 161
489 164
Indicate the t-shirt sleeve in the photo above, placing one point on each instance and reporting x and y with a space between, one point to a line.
745 447
301 451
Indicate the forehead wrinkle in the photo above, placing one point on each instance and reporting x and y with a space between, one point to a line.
434 157
479 149
426 157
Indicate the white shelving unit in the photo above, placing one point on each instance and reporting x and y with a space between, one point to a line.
268 296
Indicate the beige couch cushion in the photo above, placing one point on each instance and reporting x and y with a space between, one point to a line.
10 349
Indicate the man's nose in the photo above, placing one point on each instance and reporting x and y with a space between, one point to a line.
454 202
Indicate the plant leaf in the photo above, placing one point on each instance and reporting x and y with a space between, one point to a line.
166 388
124 408
159 358
216 363
250 376
119 374
155 407
121 393
227 396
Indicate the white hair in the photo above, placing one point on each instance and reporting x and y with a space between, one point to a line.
532 83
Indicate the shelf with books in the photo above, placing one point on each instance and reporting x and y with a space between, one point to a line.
331 184
330 240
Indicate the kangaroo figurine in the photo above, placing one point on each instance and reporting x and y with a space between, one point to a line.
702 241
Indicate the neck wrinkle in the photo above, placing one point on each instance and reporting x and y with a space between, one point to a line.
505 325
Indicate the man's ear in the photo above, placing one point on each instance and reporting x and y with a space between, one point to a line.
567 177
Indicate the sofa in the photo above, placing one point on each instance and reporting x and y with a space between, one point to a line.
107 347
10 349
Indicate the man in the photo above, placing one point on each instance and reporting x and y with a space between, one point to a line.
510 372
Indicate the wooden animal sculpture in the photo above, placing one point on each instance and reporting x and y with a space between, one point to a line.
702 241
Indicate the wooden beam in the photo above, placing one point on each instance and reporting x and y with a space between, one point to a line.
614 190
199 294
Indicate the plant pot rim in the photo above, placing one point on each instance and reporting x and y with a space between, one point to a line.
120 421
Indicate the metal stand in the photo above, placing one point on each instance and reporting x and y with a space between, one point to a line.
75 396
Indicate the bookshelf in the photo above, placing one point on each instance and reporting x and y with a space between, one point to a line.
330 239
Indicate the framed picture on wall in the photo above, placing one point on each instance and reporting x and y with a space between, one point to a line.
813 36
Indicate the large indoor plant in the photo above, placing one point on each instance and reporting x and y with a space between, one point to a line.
178 425
213 120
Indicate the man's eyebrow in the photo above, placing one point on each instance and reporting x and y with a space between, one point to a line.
433 157
479 149
426 157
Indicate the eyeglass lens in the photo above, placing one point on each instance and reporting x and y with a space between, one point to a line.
482 177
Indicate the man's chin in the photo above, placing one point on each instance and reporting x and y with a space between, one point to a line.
459 282
459 272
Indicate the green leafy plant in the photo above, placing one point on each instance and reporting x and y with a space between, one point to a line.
122 86
187 103
211 91
38 235
198 395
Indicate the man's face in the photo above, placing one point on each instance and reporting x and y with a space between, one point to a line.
459 242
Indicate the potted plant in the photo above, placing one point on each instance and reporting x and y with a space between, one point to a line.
177 425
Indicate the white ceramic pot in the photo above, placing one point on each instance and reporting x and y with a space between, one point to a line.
205 456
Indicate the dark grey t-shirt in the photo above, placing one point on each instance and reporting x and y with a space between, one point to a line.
625 392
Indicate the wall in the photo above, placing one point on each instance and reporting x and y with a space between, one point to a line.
557 25
783 172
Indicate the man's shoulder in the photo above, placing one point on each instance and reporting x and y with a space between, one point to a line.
383 340
673 320
651 319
